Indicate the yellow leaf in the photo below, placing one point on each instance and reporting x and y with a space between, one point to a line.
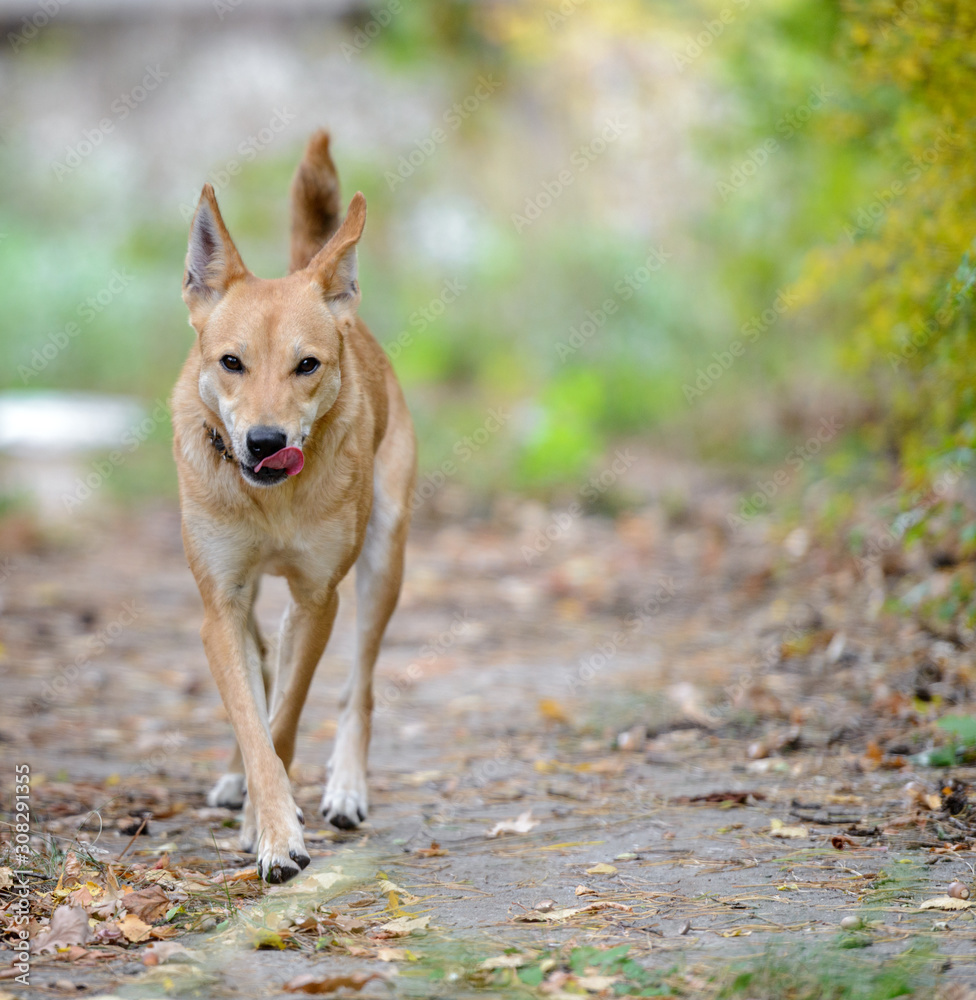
947 903
402 926
552 711
777 828
601 869
134 929
262 937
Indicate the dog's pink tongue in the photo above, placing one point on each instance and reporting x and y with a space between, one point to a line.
290 459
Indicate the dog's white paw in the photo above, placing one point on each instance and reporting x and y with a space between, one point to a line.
345 803
229 791
282 853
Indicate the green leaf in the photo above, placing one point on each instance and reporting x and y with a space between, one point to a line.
961 726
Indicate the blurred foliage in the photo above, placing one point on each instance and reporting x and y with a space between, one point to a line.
822 267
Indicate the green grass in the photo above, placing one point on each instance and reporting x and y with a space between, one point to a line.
833 975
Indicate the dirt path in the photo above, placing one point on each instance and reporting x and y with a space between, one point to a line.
686 718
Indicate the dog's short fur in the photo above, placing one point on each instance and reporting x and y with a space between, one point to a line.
247 382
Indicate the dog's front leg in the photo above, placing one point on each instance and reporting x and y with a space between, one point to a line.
236 665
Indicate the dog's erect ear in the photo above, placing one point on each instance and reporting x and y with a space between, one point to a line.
334 266
212 261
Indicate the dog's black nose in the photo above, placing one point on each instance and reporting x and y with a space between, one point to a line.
265 441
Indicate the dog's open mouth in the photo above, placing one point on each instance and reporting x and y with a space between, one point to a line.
275 468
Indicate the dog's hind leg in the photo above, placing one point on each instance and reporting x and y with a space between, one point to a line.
232 784
379 571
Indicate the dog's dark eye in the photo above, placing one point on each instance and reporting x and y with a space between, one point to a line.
307 365
231 363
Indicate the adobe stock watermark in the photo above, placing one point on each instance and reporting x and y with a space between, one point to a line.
626 288
796 458
86 311
919 503
453 118
579 161
420 319
248 150
18 909
751 331
561 521
921 163
593 664
52 691
711 29
389 692
121 108
788 126
31 24
103 469
364 36
465 448
224 7
563 11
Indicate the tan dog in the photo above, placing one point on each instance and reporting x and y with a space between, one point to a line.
296 457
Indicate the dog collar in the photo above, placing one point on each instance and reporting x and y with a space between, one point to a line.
218 442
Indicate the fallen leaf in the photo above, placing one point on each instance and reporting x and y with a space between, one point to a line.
523 823
540 916
514 961
71 872
947 903
434 851
310 983
733 798
585 890
596 984
777 828
6 878
552 711
68 926
391 887
400 927
157 953
235 875
264 937
148 904
601 869
394 955
134 928
109 933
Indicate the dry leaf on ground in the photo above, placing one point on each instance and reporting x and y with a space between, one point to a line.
400 927
311 983
536 916
947 903
69 926
134 928
164 951
148 904
777 828
522 823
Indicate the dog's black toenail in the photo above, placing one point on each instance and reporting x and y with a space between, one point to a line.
361 814
301 860
343 822
280 873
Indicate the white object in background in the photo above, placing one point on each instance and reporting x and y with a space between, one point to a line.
50 422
